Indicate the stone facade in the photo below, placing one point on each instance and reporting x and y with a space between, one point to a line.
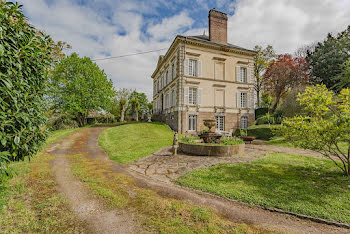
201 79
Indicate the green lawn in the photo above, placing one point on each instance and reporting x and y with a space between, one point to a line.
130 142
280 141
294 183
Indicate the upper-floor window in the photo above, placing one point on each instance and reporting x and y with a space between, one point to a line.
173 71
244 100
192 67
167 77
243 73
192 96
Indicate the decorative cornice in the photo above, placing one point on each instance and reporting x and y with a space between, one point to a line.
193 54
219 59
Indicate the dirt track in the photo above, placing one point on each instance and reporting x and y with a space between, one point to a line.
88 208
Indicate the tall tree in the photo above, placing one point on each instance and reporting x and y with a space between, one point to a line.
135 105
327 58
123 96
326 127
143 102
25 56
284 74
343 79
78 86
261 61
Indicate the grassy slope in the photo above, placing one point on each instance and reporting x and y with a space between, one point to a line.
290 182
130 142
29 201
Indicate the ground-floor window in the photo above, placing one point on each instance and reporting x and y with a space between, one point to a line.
192 122
244 122
220 123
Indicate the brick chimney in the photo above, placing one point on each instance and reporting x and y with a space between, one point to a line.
217 26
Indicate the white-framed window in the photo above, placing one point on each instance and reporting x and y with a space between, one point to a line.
243 72
167 77
173 97
244 100
244 122
192 96
192 122
192 67
220 123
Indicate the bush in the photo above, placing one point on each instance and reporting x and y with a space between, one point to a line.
61 121
264 132
25 55
261 112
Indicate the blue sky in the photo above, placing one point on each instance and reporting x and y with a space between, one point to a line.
100 28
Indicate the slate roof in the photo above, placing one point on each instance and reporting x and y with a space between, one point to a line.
205 38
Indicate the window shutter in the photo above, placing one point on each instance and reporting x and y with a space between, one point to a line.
199 68
175 69
199 94
186 67
186 90
238 74
249 101
250 77
169 99
170 73
238 100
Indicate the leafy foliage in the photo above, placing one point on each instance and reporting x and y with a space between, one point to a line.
283 74
77 86
327 58
326 127
25 55
142 101
261 61
343 79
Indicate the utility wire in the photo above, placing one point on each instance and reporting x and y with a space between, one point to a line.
127 55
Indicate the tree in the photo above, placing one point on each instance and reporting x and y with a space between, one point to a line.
143 101
284 74
326 127
78 86
327 58
25 56
343 79
261 61
135 105
123 97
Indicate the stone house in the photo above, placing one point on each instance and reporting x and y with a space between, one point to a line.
205 77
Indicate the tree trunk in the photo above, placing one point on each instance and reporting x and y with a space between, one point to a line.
258 98
274 107
136 115
122 114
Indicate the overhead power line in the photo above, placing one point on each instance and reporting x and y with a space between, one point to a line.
127 55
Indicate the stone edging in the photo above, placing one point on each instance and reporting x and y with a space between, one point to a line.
212 150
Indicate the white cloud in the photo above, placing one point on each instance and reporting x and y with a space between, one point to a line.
286 24
170 26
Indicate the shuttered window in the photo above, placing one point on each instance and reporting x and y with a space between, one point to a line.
192 67
192 96
243 74
244 100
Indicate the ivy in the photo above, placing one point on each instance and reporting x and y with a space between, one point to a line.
25 56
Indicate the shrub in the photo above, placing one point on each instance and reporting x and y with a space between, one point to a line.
61 121
25 55
264 132
261 112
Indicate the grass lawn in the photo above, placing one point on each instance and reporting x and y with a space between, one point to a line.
29 202
294 183
279 141
130 142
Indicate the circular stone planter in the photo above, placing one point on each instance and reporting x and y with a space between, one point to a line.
212 150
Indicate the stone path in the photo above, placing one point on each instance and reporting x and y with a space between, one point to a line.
165 167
